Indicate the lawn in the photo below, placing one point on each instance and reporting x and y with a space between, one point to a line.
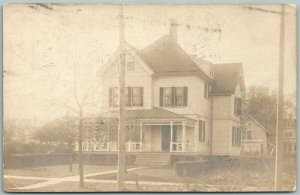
10 184
223 179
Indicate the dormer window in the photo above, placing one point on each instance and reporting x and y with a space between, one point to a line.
130 66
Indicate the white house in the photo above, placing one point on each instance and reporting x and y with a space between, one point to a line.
176 102
254 138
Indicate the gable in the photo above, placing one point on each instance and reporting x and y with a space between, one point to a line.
131 55
257 124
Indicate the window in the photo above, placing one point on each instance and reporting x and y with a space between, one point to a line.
249 135
179 94
201 131
207 88
130 66
288 135
133 96
236 136
237 106
173 96
113 96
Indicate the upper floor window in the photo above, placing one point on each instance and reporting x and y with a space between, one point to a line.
113 96
207 88
133 96
287 135
173 96
130 66
201 131
236 136
237 106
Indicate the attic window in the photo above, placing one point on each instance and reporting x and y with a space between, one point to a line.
130 66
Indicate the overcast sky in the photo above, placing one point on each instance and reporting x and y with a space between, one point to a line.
44 46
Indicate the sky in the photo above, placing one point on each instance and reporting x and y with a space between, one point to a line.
47 48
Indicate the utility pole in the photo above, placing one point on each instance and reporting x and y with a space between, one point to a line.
280 107
121 132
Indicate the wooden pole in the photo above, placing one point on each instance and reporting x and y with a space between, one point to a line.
280 107
121 132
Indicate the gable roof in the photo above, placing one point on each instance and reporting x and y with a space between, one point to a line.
226 77
253 119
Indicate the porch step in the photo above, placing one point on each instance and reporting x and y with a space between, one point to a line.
153 159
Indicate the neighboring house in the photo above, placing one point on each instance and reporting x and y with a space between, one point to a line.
254 138
289 136
176 102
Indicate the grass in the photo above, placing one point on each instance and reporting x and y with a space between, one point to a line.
10 184
223 179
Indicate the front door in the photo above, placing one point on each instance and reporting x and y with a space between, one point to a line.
165 138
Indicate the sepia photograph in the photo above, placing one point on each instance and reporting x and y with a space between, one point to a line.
149 98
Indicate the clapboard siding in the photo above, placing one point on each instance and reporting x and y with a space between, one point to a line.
136 78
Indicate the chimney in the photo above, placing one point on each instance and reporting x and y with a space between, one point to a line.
173 30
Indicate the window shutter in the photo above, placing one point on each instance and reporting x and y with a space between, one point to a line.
110 97
185 96
128 100
173 96
142 95
234 105
232 137
161 96
203 129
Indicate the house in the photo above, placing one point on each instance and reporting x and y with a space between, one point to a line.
175 102
254 138
289 136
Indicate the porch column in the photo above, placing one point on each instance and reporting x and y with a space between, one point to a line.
141 135
183 135
171 140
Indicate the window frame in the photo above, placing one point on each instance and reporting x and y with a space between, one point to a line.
128 96
171 100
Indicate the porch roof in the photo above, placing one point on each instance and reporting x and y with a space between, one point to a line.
154 113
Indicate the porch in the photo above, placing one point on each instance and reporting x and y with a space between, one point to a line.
155 130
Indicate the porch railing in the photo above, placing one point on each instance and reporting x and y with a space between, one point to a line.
181 147
109 146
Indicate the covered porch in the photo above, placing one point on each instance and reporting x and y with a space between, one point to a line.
153 130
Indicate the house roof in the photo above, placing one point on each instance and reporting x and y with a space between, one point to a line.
226 78
153 113
253 119
165 55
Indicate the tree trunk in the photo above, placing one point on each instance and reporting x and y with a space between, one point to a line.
70 157
80 157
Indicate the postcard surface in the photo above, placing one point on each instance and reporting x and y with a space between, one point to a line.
149 98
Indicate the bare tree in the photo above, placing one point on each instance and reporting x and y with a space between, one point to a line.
79 108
